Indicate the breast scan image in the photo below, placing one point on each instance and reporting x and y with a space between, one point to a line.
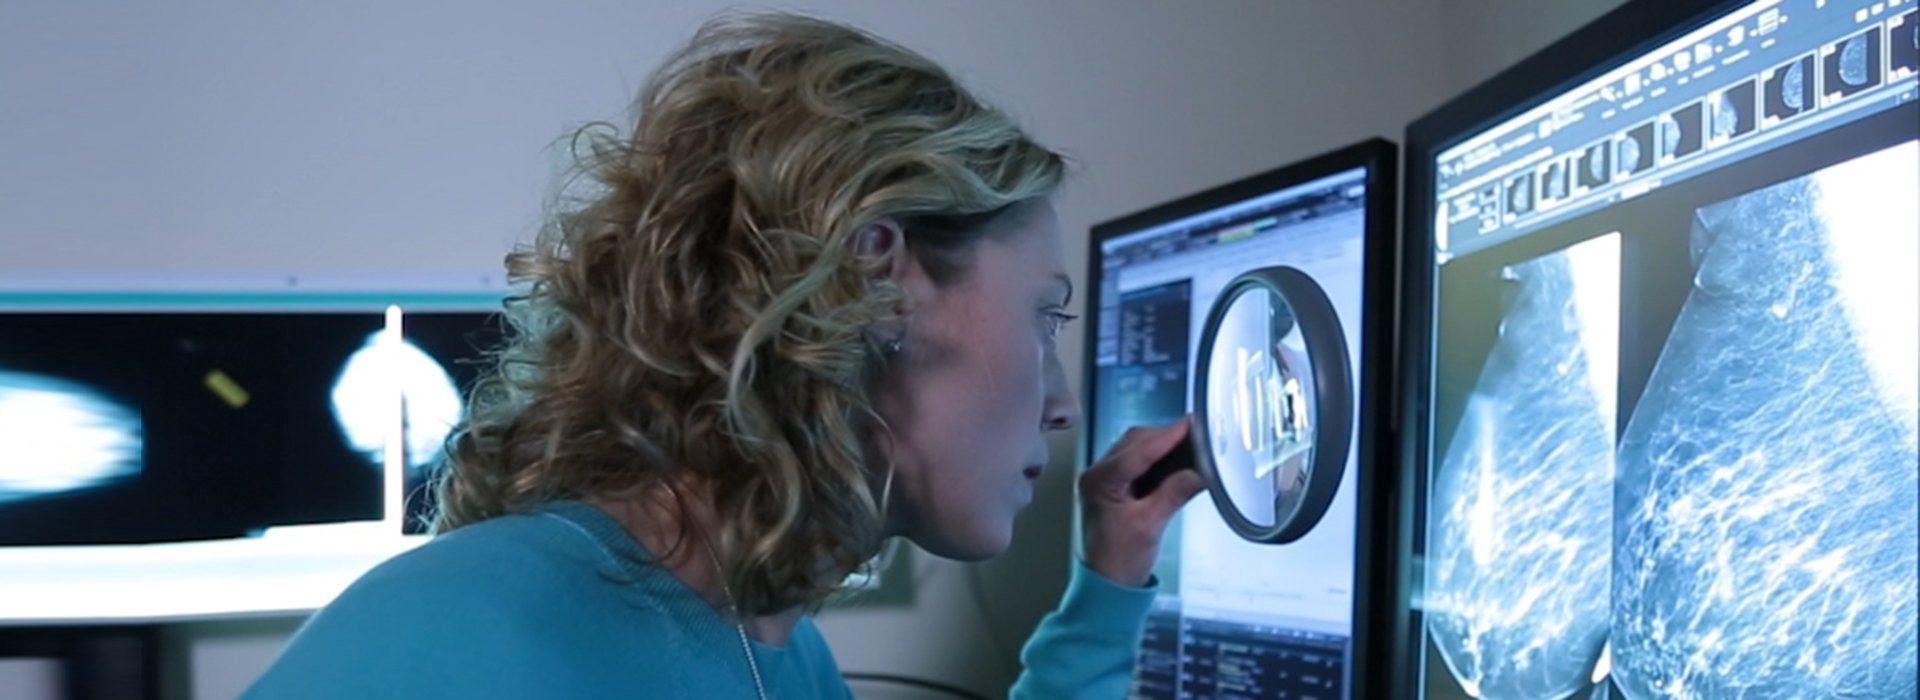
1517 565
1752 531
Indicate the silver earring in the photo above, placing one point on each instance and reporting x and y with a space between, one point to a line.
891 347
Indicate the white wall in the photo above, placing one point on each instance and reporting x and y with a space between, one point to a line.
204 138
1484 37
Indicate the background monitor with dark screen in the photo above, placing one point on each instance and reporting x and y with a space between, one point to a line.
1661 436
1237 619
139 427
228 452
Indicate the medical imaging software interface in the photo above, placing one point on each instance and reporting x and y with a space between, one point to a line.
1234 619
163 426
1672 449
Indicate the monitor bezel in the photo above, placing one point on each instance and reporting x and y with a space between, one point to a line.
1619 36
1373 362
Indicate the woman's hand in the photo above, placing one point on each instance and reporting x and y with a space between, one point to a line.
1122 533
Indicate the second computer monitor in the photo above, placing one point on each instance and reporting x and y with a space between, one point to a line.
1236 618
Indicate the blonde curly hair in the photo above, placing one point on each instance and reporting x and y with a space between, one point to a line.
702 310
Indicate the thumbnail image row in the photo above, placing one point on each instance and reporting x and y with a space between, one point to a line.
1778 96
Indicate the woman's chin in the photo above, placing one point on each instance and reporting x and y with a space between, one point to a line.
972 544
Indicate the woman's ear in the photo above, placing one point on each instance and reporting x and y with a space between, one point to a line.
881 248
881 245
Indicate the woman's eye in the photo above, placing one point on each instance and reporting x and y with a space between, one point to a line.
1056 322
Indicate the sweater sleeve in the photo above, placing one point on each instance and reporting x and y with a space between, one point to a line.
1085 648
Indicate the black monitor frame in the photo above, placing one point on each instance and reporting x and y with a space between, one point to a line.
1589 52
1374 364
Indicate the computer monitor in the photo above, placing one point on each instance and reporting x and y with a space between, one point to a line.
197 441
1234 618
1661 335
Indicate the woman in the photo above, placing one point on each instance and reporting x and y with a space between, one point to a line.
810 305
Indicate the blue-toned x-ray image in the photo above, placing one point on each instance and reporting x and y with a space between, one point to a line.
1853 61
1731 111
1670 135
390 385
60 437
1755 531
1767 498
1793 87
1853 65
1516 578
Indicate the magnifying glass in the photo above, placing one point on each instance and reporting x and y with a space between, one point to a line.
1273 406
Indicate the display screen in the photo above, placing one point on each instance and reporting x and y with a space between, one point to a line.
1671 445
143 427
1233 618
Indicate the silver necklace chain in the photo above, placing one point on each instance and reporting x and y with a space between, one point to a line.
739 626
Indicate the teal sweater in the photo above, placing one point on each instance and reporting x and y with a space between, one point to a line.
563 603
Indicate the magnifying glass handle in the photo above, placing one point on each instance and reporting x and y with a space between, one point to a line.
1180 457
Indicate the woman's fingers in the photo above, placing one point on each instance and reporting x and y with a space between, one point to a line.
1138 450
1175 492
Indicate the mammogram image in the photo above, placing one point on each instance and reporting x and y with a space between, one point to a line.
1754 532
59 437
1766 506
1516 578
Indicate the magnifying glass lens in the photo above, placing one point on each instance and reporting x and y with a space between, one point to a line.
1274 402
1260 413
